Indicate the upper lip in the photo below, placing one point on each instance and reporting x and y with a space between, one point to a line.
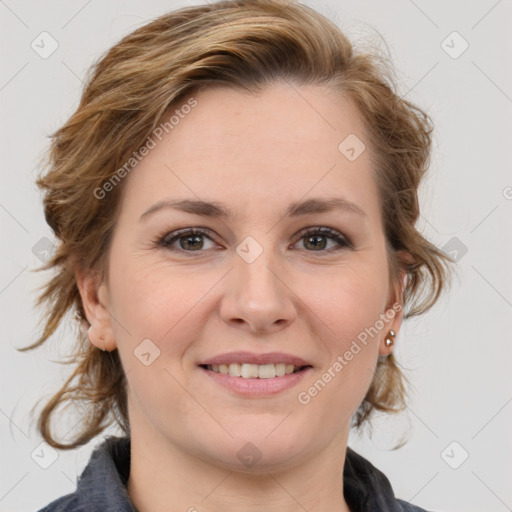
251 358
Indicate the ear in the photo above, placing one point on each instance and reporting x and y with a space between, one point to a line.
95 299
394 307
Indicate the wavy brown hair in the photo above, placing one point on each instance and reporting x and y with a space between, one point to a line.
247 44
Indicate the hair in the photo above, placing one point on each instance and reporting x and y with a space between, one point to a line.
247 44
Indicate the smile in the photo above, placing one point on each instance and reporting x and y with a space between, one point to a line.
254 371
256 380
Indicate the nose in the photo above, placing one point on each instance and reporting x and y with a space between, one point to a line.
257 297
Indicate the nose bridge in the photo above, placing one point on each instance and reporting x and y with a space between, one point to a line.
257 282
256 294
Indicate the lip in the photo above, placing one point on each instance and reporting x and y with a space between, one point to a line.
256 387
252 358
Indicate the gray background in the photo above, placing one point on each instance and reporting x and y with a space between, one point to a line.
459 355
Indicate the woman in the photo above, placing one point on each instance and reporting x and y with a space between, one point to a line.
235 199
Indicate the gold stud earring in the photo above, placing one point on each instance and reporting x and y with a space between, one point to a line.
390 338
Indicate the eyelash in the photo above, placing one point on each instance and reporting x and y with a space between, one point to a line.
170 238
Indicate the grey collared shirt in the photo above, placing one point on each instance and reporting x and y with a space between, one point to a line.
102 485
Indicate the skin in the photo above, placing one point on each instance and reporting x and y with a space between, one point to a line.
256 154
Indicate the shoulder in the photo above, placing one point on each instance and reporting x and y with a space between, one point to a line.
102 484
367 489
68 503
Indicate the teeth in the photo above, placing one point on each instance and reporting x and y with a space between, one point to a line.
235 369
253 371
249 371
266 371
281 369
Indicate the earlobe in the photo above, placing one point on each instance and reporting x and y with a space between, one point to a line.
395 315
96 337
387 345
94 299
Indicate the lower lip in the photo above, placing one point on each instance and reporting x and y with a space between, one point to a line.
255 386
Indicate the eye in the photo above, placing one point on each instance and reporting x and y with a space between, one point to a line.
188 240
317 239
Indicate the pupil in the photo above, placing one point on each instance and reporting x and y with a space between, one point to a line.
190 241
316 244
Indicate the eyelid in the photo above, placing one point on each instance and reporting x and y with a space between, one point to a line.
176 234
334 234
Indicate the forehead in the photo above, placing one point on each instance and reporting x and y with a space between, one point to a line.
283 122
249 150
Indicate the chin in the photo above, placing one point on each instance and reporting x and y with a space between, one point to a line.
254 451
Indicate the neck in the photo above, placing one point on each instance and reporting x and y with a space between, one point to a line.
163 476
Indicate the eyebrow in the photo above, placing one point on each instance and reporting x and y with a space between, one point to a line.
221 211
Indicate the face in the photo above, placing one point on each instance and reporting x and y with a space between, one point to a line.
274 271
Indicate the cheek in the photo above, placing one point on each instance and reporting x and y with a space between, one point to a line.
154 303
348 302
167 309
349 307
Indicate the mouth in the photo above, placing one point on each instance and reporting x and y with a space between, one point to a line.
249 374
255 371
